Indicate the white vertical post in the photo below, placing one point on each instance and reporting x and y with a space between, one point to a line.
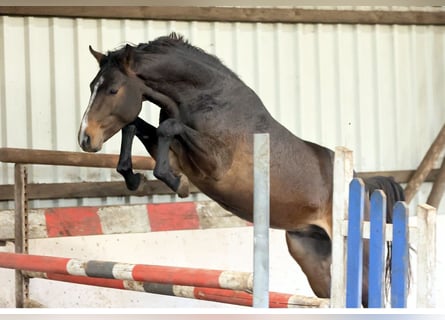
426 256
343 172
261 208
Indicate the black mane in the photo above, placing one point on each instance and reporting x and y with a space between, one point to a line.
172 43
164 43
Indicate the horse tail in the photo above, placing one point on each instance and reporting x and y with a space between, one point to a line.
394 192
390 187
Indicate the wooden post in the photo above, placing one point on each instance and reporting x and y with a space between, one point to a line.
425 166
426 256
438 188
21 232
343 172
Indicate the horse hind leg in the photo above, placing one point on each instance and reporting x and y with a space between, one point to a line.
311 247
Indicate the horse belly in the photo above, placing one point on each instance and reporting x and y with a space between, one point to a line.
289 209
300 189
234 192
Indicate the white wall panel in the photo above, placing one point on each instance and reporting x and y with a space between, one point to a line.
378 90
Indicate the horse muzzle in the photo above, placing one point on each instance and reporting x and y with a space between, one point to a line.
85 144
89 143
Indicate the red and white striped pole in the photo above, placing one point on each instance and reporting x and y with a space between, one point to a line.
276 299
233 280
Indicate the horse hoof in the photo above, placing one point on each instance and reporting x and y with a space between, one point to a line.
183 188
133 181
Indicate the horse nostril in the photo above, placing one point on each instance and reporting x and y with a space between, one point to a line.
86 141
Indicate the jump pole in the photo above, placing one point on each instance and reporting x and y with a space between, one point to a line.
139 272
261 220
242 298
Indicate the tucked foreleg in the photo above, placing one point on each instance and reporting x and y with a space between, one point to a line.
125 166
197 153
166 132
146 133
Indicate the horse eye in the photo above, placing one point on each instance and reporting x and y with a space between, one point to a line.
113 91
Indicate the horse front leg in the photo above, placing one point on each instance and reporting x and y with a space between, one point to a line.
146 133
166 132
125 166
168 128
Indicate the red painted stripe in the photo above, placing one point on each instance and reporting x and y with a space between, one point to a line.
224 296
276 299
173 216
33 262
176 275
99 282
279 300
79 221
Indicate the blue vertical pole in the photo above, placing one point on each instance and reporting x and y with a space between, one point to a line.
354 267
400 256
261 222
377 250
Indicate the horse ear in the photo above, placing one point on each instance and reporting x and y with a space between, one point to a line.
128 56
96 54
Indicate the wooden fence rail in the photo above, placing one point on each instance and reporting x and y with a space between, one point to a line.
69 190
66 158
228 14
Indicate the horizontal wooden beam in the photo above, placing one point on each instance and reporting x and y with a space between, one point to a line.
66 158
400 176
70 190
233 14
116 188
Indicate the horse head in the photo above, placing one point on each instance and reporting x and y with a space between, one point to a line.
116 98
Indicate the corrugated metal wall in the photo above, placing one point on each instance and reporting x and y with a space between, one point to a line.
378 90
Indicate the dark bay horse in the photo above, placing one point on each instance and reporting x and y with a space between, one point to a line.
205 135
